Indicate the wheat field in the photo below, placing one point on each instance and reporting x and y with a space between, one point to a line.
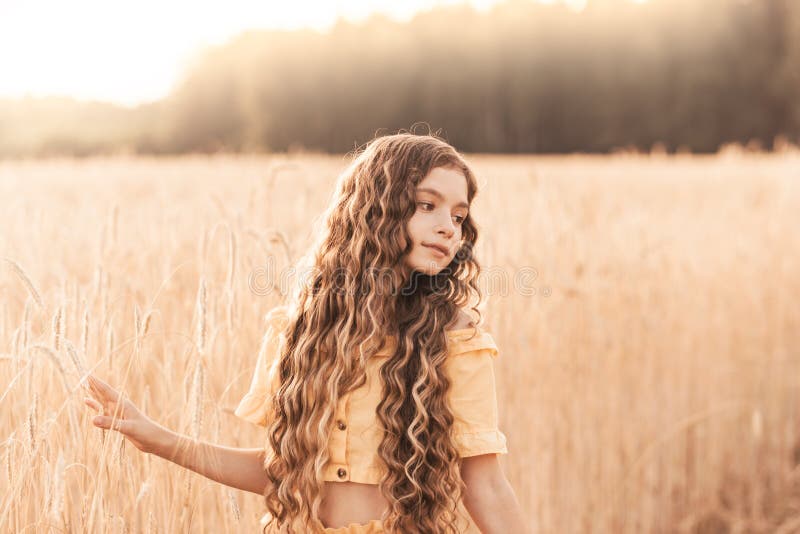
645 307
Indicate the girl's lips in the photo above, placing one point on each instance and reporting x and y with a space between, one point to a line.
436 251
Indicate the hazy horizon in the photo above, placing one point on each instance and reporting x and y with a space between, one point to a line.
58 55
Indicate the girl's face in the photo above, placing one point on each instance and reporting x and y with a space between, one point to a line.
442 206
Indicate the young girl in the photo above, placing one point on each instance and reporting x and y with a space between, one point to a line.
375 387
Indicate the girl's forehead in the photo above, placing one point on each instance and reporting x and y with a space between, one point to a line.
446 183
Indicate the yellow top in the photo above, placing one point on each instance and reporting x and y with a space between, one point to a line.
357 432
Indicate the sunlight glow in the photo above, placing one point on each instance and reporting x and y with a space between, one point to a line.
132 52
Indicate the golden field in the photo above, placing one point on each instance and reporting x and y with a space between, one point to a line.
646 310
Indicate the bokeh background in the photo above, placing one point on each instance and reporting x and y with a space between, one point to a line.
163 165
517 76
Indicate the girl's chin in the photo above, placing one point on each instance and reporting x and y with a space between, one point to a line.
427 267
430 270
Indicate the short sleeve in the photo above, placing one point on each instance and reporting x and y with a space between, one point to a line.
473 395
255 405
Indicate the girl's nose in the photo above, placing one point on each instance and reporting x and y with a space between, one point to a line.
446 229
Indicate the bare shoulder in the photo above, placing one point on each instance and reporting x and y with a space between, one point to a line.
463 320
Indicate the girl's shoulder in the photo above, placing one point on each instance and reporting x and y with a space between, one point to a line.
467 337
469 340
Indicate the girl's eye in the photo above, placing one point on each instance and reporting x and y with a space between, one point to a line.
428 205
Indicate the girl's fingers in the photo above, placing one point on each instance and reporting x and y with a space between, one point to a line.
101 388
109 423
92 403
106 401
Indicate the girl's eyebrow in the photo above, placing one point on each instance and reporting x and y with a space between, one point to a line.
440 196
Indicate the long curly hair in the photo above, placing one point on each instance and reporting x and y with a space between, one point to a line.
359 291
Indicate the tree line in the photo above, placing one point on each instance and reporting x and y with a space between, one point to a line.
524 77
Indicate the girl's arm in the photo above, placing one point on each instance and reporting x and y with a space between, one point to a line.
239 468
489 498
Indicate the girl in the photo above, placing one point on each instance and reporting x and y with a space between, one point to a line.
375 387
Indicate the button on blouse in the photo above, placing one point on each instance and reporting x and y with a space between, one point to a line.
353 444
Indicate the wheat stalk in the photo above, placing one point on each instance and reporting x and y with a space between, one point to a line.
76 360
110 342
26 321
33 414
53 358
137 327
197 399
146 398
105 297
215 415
146 322
16 341
85 331
57 327
116 455
114 224
231 282
187 496
57 492
9 459
20 272
48 494
196 406
201 318
234 505
231 261
152 528
143 491
145 407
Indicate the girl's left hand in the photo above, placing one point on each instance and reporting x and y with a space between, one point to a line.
120 414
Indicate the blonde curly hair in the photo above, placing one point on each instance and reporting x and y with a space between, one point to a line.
359 293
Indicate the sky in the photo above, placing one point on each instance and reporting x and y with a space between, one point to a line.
134 52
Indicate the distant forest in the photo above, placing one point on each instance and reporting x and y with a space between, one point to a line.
524 77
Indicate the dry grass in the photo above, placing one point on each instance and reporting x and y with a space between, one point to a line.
645 309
